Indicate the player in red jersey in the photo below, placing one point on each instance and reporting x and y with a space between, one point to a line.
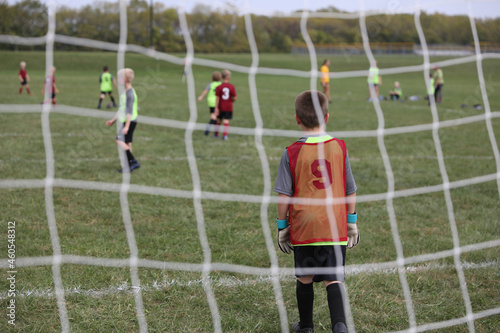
24 78
225 96
53 88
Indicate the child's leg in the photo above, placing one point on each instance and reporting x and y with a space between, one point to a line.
336 306
217 127
305 300
112 99
28 89
226 128
54 101
101 97
20 89
212 121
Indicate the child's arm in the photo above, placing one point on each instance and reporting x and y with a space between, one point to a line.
20 78
352 217
283 204
283 226
351 203
127 124
216 112
205 91
114 82
55 89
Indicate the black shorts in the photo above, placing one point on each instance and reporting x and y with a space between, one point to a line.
373 84
106 92
212 110
25 82
322 256
225 115
130 134
53 95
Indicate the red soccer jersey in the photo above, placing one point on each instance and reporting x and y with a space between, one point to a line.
22 73
48 79
226 93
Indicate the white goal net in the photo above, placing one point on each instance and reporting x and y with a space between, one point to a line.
266 198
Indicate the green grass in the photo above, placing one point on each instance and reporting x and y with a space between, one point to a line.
90 223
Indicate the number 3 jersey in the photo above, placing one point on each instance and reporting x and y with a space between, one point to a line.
226 92
305 175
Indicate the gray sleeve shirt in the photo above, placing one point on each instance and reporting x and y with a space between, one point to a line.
284 182
129 105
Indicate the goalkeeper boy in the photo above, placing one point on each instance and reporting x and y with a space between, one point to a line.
318 234
127 114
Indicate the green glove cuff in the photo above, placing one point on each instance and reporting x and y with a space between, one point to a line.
282 224
352 218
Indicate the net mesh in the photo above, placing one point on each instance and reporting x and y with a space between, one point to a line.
258 132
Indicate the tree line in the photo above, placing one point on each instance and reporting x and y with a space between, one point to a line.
223 30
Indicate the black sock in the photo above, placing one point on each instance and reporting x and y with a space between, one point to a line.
100 101
305 300
112 100
335 303
130 157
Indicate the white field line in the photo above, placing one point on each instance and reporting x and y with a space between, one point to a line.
230 282
390 176
183 125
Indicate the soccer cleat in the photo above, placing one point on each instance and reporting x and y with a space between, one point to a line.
296 328
206 132
339 328
225 137
114 105
134 165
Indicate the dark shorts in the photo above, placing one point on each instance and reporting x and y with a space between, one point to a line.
130 134
322 256
225 115
212 110
373 84
25 82
106 92
53 95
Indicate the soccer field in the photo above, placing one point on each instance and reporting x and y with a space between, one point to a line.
90 224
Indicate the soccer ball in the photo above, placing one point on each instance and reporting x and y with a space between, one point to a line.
109 105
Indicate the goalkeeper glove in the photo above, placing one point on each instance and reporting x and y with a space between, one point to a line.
284 236
352 231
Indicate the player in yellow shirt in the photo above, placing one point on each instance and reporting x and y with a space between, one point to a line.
325 78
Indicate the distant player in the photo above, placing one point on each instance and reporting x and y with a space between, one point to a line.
317 234
211 99
431 89
106 79
374 80
127 114
50 82
225 96
325 78
438 84
24 79
397 92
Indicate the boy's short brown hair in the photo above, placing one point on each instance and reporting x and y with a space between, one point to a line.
226 73
216 76
304 108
